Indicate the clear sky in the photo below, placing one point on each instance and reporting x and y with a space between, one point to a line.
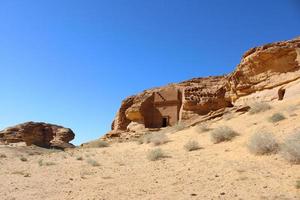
71 62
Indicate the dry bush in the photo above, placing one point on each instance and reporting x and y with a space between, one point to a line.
23 159
191 145
259 107
96 144
155 154
42 163
291 148
204 127
222 133
262 143
92 162
159 139
79 158
3 155
177 127
145 139
276 117
297 184
22 173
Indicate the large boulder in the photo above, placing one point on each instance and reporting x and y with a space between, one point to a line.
39 134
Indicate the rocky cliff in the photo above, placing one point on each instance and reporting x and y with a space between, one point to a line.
268 68
38 133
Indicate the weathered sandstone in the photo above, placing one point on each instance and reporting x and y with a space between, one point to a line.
39 134
263 74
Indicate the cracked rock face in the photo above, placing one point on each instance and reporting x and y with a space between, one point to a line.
39 134
268 69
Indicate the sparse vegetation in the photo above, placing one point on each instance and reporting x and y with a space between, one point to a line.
22 173
259 107
3 155
92 162
297 184
276 117
204 127
155 138
145 139
23 159
191 145
84 174
79 158
222 133
155 154
263 143
291 148
96 144
177 127
159 139
42 163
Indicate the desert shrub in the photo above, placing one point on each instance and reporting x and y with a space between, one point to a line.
79 158
297 184
3 155
262 143
177 127
22 173
159 139
202 128
222 133
291 148
259 107
276 117
191 145
42 163
155 154
96 144
23 159
92 162
145 139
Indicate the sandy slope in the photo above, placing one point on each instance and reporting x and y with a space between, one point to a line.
217 171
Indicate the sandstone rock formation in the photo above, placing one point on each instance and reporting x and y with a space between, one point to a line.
269 69
40 134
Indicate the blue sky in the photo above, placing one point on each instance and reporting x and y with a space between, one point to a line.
71 62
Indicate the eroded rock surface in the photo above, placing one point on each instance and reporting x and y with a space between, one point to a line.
267 69
39 134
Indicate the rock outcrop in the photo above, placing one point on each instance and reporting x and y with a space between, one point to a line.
268 68
39 134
